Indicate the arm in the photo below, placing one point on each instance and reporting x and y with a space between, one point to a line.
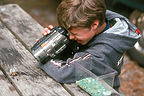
92 59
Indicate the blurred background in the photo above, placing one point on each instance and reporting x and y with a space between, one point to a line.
132 73
43 11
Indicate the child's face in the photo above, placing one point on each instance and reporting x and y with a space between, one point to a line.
81 35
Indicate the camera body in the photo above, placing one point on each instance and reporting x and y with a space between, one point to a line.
50 46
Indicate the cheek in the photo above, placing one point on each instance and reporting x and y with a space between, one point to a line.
89 36
84 37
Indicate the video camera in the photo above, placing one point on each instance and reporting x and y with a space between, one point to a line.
51 45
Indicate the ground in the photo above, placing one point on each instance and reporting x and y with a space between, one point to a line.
132 78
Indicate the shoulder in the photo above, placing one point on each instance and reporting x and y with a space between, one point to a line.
117 26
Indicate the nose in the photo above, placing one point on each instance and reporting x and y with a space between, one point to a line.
71 37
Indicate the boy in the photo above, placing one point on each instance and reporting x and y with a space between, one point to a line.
103 34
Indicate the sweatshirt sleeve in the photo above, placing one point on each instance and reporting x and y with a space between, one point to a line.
64 71
92 59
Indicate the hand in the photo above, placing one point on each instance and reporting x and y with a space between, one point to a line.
46 31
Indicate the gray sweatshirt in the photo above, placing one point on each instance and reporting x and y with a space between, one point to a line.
106 48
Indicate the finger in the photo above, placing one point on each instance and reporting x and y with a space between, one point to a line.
46 29
37 40
50 27
46 32
42 33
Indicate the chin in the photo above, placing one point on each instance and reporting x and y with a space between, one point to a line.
83 43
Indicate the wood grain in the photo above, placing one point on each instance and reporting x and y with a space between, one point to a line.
31 81
27 30
6 88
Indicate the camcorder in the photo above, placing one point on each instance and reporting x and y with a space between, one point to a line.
53 44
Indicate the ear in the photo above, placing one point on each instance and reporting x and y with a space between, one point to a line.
95 25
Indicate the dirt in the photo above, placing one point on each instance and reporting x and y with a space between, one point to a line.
132 78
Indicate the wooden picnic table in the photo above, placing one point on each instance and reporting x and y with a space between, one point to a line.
18 32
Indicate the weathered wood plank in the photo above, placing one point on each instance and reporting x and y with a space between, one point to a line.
31 81
76 91
6 88
21 23
28 30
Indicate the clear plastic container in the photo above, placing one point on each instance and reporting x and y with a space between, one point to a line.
99 83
